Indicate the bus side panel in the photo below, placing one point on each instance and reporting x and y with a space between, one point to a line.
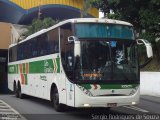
12 75
11 79
59 81
30 87
70 93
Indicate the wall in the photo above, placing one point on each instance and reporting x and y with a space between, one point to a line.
150 83
5 36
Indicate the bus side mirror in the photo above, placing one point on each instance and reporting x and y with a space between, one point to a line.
72 39
149 51
76 45
147 45
77 48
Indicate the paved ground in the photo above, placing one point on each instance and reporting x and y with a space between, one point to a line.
8 113
33 108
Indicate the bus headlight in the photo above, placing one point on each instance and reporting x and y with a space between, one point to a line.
133 103
86 105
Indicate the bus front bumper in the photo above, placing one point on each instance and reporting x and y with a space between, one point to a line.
83 100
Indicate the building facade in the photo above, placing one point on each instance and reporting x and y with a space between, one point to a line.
5 37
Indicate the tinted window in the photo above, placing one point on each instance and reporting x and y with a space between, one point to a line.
42 44
94 30
20 51
67 49
14 53
34 47
10 55
53 41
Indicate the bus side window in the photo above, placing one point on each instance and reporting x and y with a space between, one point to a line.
53 41
25 50
29 51
42 45
67 49
10 55
34 47
20 52
14 53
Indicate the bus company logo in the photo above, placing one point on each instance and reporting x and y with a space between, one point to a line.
46 64
126 86
47 67
44 78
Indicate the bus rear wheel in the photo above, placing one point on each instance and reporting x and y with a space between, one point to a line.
55 101
15 87
20 95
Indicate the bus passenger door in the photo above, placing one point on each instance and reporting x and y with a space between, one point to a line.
67 59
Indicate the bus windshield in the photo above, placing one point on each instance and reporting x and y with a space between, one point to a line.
101 30
107 60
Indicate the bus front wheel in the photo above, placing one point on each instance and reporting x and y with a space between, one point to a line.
55 101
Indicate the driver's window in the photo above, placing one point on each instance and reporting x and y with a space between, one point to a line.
67 49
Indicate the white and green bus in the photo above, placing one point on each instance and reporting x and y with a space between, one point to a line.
84 62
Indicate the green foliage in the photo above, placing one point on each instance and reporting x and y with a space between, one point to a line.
141 13
38 24
101 4
150 20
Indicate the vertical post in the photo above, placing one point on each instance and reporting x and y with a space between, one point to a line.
39 10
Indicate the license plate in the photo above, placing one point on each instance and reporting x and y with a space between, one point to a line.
111 104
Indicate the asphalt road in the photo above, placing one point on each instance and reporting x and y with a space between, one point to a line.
37 109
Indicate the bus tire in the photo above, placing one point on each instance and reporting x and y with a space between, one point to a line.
20 94
15 89
55 101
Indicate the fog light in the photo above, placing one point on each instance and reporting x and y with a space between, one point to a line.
133 103
87 105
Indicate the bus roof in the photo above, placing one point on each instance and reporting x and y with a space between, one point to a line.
76 20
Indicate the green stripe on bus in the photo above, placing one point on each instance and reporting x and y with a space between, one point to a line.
43 66
111 86
58 64
37 66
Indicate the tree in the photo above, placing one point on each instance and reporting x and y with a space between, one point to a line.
38 24
130 10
